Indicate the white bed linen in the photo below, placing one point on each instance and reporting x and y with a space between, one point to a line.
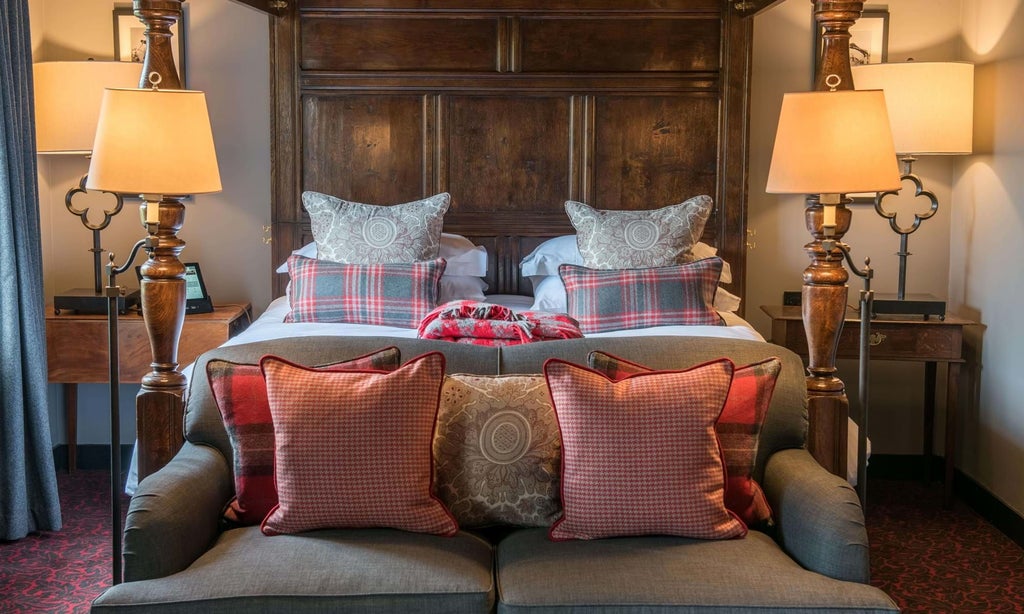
271 325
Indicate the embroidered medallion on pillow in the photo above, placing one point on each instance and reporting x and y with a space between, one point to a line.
353 448
496 451
357 233
637 239
624 299
379 294
241 396
738 428
640 456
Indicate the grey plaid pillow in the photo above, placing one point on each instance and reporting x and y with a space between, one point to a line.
356 233
639 239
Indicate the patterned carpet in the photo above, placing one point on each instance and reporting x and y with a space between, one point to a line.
929 559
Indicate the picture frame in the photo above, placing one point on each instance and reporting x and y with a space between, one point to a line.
130 41
869 44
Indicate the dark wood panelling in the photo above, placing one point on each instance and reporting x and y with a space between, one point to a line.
369 148
653 151
455 44
618 44
507 153
625 6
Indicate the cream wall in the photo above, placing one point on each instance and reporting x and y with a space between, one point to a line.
226 54
965 253
986 278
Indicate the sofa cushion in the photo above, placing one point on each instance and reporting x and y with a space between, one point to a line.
355 570
354 447
496 451
738 428
640 455
241 395
667 574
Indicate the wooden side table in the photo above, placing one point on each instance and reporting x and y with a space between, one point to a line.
76 350
907 338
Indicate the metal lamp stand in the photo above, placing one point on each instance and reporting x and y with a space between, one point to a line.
113 294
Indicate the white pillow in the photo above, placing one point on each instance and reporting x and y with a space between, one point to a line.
460 288
545 259
463 257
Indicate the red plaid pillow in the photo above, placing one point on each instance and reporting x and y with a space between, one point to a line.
354 447
738 428
606 300
378 294
639 457
241 395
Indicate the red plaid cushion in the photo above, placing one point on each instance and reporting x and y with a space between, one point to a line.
738 428
605 300
241 395
640 456
354 447
379 294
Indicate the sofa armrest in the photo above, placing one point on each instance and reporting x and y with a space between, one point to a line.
818 516
174 516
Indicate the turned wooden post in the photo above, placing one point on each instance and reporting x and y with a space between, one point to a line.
159 406
824 294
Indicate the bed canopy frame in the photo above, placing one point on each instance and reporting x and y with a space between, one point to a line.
386 101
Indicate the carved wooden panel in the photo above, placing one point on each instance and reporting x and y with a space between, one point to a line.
618 43
653 151
506 153
366 147
347 43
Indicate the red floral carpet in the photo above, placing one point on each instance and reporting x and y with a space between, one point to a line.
930 560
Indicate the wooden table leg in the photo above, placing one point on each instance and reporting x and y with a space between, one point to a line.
952 400
929 418
71 424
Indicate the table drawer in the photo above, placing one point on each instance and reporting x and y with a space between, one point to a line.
890 341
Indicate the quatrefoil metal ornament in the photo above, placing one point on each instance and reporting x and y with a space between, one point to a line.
83 212
905 232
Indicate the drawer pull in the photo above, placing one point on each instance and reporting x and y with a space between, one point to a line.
876 339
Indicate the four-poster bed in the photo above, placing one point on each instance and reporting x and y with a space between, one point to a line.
391 100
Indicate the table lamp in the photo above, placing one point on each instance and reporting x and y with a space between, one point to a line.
67 104
158 144
931 110
828 144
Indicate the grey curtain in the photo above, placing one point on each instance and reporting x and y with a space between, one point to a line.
28 484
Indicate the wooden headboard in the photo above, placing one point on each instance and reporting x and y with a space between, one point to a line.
513 107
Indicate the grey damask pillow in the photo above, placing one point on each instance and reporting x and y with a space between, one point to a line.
497 451
639 239
356 233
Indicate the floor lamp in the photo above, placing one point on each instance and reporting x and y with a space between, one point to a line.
158 144
829 144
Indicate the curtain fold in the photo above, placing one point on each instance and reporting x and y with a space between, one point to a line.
28 483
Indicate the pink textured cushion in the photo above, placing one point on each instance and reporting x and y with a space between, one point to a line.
354 448
738 428
640 456
241 395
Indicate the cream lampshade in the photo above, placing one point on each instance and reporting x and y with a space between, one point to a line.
931 104
67 101
833 143
154 142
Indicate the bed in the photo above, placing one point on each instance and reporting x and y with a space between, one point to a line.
513 107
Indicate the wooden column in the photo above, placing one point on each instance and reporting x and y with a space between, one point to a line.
159 406
824 294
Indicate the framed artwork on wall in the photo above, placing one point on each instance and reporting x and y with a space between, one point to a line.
130 38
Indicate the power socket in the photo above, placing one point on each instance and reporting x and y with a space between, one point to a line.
791 298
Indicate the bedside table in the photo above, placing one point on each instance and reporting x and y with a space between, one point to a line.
908 338
76 350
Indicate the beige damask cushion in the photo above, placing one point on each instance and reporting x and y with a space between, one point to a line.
356 233
639 239
496 451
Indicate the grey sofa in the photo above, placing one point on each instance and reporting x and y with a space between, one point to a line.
177 558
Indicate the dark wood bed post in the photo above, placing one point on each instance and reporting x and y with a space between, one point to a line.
158 406
824 294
